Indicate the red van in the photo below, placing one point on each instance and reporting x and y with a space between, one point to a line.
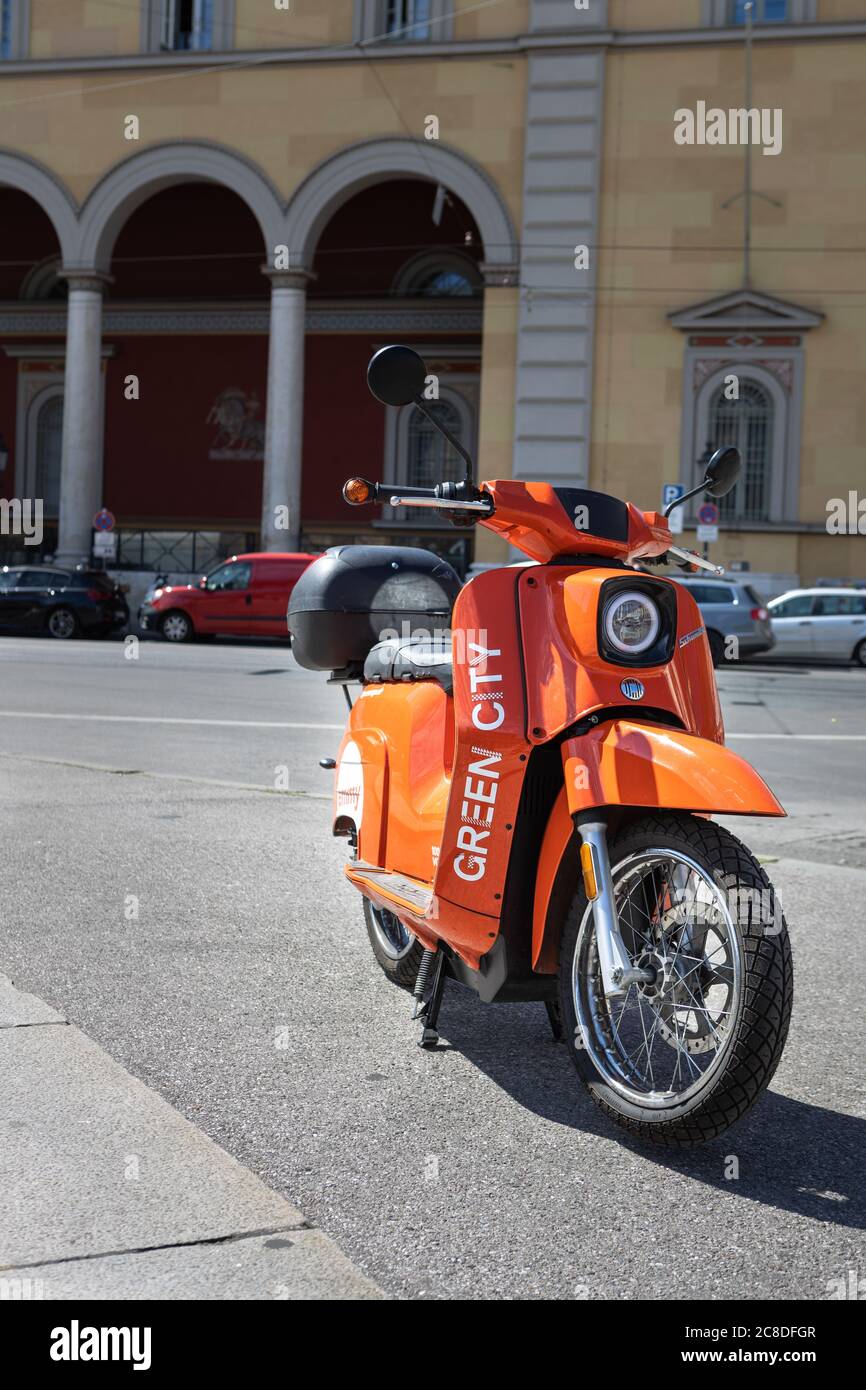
245 596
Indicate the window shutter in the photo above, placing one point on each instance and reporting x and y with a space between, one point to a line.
202 24
168 23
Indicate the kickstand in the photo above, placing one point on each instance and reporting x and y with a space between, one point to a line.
427 1009
554 1014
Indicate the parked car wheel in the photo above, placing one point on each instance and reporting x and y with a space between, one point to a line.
176 626
62 624
860 653
717 648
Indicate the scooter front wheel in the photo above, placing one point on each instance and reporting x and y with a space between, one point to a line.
680 1057
398 952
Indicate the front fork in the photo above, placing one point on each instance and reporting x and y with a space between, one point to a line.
617 972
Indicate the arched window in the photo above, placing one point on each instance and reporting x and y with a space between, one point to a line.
429 457
438 274
747 423
42 281
49 430
417 455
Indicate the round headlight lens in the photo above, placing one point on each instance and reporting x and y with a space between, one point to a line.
631 622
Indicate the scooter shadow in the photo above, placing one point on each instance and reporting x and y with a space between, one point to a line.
791 1155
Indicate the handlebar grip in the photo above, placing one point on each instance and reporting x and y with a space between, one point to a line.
358 491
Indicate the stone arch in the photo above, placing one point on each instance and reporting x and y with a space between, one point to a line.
376 161
55 200
132 182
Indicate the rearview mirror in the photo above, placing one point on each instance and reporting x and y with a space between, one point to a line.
396 375
723 470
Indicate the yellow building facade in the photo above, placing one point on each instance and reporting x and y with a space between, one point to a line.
614 326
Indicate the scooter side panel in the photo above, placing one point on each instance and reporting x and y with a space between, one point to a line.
490 759
392 775
568 678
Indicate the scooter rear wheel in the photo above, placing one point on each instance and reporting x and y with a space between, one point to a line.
679 1059
398 952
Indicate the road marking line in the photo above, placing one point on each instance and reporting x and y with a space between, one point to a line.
299 795
279 724
155 719
814 738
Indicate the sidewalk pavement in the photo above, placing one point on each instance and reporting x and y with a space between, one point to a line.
107 1192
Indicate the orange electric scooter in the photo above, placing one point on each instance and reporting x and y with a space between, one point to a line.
527 782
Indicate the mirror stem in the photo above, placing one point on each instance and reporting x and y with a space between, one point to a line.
455 443
678 501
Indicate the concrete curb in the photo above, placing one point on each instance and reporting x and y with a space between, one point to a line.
107 1192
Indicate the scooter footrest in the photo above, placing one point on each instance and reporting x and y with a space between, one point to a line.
402 889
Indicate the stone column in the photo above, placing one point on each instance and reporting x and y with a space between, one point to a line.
281 481
83 419
498 388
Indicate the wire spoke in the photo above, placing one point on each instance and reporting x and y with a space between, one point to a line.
672 913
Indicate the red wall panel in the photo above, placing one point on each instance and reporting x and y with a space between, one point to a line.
157 464
344 427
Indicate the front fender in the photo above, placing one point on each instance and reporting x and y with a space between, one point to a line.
625 763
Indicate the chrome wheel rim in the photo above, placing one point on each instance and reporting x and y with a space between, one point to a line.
661 1043
395 939
175 628
61 623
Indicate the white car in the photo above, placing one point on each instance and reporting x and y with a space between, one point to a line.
820 624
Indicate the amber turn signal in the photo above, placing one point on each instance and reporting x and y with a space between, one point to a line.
589 883
357 490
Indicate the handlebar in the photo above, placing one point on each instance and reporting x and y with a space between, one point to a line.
454 497
691 559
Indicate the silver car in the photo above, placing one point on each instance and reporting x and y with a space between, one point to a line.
820 624
731 608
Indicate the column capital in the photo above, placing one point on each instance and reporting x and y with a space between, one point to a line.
500 276
288 279
85 278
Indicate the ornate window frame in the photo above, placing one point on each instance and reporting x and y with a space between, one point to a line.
18 38
779 503
53 391
152 20
462 389
413 270
369 23
758 337
717 14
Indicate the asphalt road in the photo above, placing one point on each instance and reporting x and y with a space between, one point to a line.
193 920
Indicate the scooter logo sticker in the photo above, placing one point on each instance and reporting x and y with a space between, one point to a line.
632 689
350 783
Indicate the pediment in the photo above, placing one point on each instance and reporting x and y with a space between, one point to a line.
746 311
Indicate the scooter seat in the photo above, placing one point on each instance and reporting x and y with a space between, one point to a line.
410 659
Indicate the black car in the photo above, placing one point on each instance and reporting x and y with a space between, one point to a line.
60 603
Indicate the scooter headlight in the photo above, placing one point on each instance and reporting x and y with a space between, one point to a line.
631 622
